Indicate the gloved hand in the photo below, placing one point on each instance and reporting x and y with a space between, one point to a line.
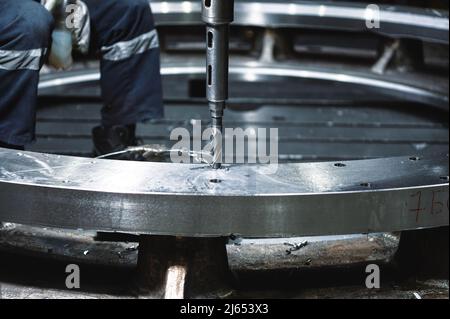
61 52
72 30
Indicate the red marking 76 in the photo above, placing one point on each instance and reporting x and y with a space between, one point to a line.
431 202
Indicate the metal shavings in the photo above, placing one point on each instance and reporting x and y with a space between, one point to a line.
160 153
295 246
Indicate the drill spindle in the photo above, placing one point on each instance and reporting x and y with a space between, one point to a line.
217 14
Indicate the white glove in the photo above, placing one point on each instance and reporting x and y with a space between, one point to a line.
61 51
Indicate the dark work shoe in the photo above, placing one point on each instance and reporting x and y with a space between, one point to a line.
13 147
111 139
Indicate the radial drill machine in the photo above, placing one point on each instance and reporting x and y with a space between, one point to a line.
217 14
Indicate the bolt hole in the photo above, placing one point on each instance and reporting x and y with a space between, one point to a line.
445 178
279 118
208 3
340 165
368 185
414 158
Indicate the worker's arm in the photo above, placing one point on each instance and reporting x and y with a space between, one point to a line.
72 30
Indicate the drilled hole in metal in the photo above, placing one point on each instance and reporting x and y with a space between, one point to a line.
279 118
340 165
215 181
368 185
414 158
208 3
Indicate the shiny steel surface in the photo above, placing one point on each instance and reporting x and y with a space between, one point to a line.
378 195
395 21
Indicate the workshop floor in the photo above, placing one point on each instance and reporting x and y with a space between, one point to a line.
34 260
307 132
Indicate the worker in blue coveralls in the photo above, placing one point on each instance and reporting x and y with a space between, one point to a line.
32 33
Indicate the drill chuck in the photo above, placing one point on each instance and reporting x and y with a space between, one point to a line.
216 12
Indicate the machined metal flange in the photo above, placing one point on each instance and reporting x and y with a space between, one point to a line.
379 195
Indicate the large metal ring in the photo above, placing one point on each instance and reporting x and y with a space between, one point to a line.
398 21
377 195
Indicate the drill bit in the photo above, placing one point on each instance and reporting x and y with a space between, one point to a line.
217 14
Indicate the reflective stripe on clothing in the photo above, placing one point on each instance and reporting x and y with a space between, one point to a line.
22 59
126 49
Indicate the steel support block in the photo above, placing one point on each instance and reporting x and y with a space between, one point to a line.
177 267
